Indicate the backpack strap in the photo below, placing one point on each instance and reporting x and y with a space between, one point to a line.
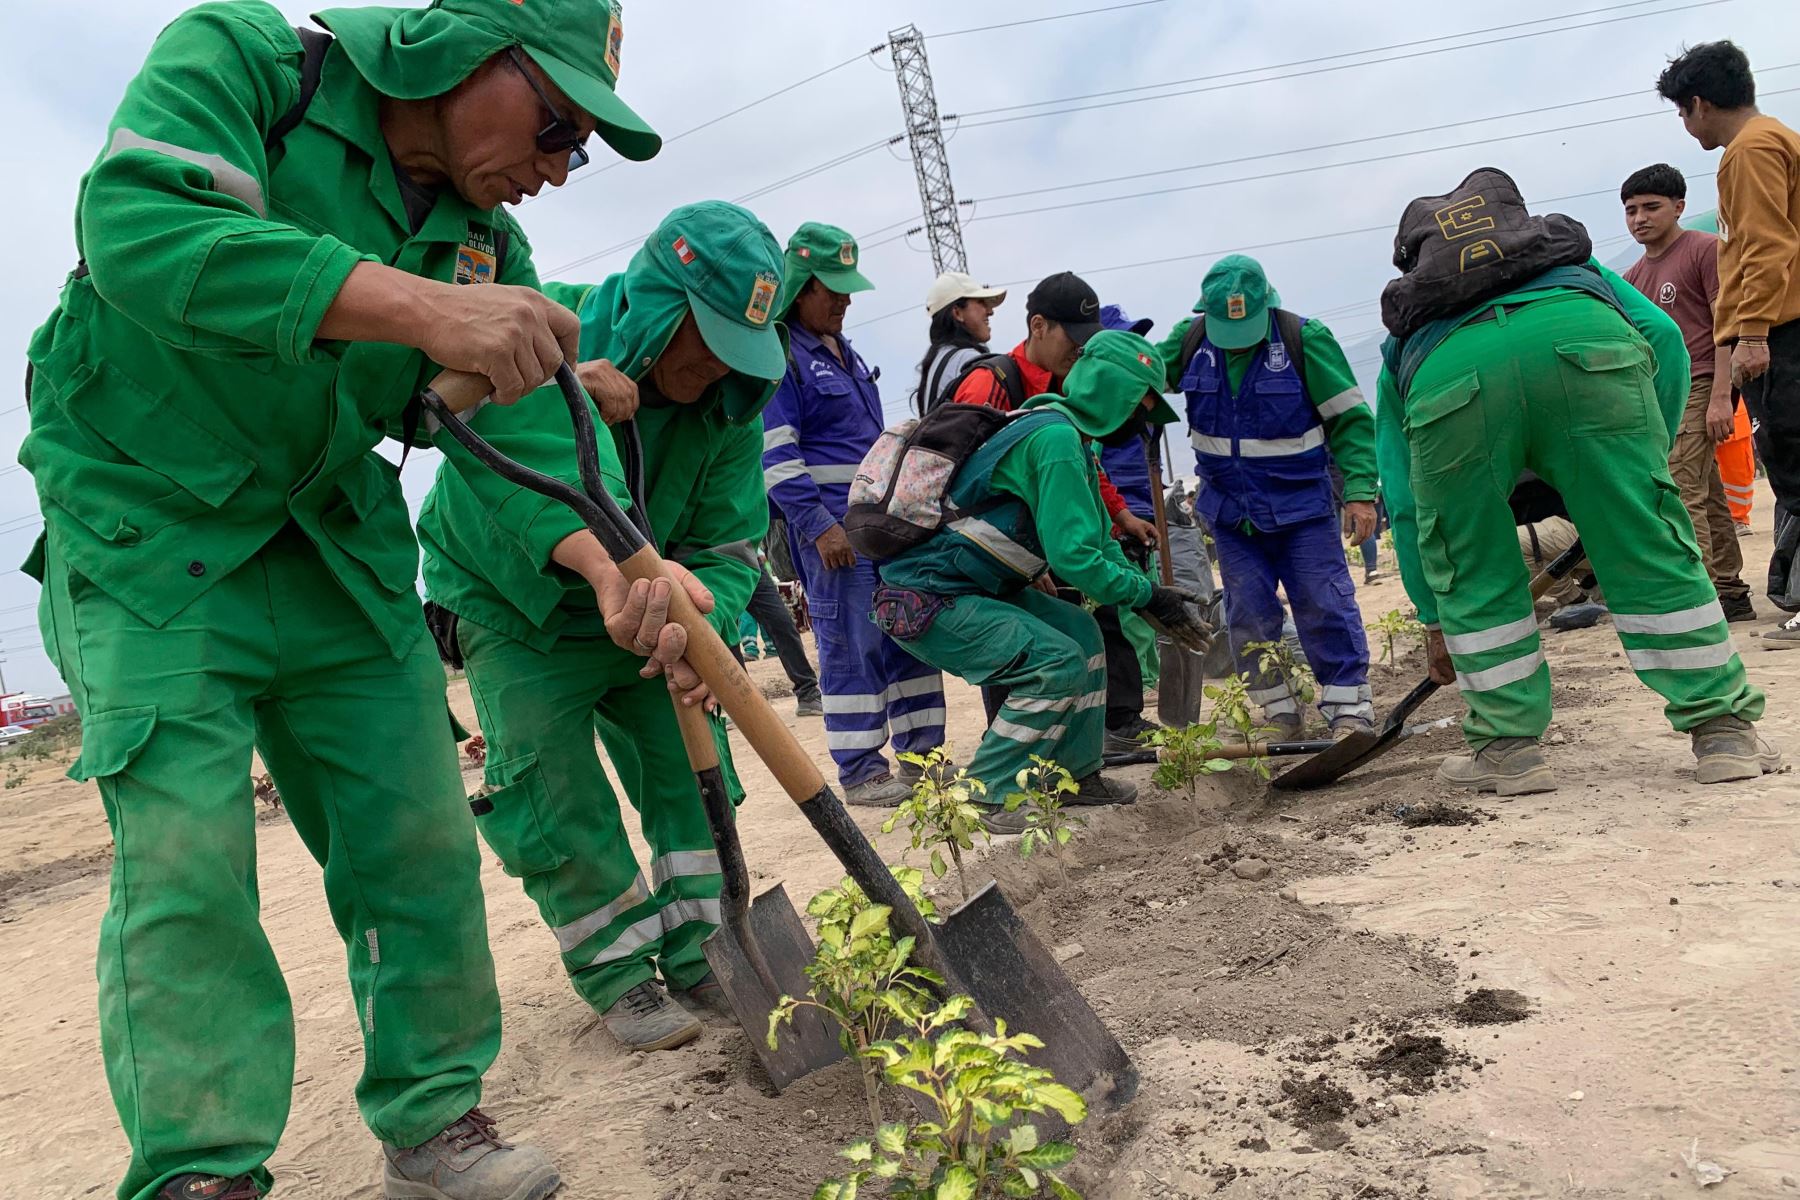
1290 326
313 45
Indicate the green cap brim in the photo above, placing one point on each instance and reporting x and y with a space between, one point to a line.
1237 335
618 125
840 278
1162 412
753 352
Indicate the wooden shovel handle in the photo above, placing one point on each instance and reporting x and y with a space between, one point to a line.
461 390
1162 519
696 735
773 741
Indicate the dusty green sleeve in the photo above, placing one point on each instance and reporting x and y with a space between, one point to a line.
1673 365
1349 425
720 538
1169 351
1052 472
1395 459
173 218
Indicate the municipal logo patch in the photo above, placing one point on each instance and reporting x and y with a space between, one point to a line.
1278 357
1235 308
762 298
477 259
615 40
847 254
683 251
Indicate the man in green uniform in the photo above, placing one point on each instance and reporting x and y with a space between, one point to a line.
692 320
964 600
1573 374
270 270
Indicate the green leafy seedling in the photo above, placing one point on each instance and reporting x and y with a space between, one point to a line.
1186 755
1234 710
1277 660
862 976
941 814
1049 825
978 1095
1391 626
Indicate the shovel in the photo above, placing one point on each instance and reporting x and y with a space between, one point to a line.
982 950
760 951
1301 749
1360 748
1181 687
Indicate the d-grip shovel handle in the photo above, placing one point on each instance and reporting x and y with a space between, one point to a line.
773 742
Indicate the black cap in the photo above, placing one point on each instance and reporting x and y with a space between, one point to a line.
1067 299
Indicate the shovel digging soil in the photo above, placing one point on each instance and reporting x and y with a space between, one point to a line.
982 950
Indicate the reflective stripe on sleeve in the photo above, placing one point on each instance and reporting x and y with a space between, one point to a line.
226 179
781 472
1341 403
999 545
781 435
834 473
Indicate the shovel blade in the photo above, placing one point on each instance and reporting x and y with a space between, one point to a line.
803 1045
1014 977
1335 763
1181 686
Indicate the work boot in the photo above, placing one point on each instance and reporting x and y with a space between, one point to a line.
1284 727
1100 789
1729 748
1577 616
1505 766
1129 737
911 773
1343 726
997 820
1737 608
646 1019
1371 575
707 995
209 1187
810 706
883 791
1784 636
467 1161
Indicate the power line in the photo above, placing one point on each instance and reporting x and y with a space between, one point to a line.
1214 87
1165 259
1289 173
1086 12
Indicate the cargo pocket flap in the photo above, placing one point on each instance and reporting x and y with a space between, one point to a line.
110 740
518 820
1441 401
1610 354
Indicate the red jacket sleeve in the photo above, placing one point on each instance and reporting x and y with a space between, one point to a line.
1109 495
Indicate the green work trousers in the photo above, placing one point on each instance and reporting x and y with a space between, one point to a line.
1049 653
1562 386
195 1019
553 818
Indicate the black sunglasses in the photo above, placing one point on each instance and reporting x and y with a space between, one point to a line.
561 133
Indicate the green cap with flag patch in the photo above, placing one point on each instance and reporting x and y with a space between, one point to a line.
729 264
826 253
1236 298
416 53
1113 374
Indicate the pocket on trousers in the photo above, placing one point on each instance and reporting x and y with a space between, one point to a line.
1608 385
1673 511
1445 427
111 740
517 819
1434 552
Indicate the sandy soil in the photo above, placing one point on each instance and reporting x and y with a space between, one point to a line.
1297 1034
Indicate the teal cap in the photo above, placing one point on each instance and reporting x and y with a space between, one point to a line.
1236 298
729 264
826 253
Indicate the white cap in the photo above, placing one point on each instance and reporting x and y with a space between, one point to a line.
952 286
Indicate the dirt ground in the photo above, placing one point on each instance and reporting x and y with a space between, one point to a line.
1320 1031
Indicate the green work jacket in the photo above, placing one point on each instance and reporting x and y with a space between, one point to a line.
488 542
182 409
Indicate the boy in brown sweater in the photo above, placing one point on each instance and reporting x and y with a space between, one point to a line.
1757 314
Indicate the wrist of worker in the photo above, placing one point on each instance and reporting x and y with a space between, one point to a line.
582 553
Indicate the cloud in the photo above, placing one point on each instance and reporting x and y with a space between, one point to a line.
687 62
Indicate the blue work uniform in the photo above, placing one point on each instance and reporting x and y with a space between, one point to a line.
822 420
1260 452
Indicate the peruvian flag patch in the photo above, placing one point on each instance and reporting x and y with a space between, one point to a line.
683 251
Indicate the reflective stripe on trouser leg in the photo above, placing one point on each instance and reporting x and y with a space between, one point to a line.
851 678
914 698
1309 558
1049 655
1688 657
556 821
1253 612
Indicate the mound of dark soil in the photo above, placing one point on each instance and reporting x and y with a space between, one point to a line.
1316 1101
1492 1006
1413 1062
1439 813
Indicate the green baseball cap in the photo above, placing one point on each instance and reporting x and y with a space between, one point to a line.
415 53
729 264
1114 373
824 252
1236 298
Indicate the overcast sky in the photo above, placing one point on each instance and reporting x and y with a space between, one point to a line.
687 61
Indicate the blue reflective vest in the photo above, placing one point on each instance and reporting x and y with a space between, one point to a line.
1260 452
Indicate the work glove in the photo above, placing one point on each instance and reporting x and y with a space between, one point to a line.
1171 612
